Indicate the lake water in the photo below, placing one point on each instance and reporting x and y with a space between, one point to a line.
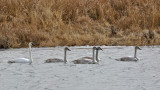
109 74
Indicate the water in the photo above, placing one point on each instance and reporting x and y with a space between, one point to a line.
109 74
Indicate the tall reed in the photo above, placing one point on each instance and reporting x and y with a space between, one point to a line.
79 22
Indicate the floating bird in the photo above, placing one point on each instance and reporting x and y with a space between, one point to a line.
86 60
130 58
54 60
24 60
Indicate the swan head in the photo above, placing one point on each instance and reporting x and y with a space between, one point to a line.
138 48
67 49
30 43
94 48
99 48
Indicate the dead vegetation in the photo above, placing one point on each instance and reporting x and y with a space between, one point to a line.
79 22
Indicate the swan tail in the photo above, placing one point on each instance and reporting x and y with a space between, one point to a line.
11 61
117 59
75 62
47 61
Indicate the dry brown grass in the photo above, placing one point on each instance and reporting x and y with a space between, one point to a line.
79 22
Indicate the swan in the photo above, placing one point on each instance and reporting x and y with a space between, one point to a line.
54 60
86 60
97 59
130 58
24 60
97 49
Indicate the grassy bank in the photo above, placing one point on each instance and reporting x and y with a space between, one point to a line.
79 22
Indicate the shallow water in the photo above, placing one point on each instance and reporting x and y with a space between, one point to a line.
109 74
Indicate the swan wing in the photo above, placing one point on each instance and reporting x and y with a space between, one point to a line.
127 59
54 60
83 61
87 58
90 58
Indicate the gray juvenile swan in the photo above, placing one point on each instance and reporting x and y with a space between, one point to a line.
86 60
130 58
97 49
54 60
24 60
91 58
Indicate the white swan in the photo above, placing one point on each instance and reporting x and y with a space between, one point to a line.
54 60
86 60
24 60
130 58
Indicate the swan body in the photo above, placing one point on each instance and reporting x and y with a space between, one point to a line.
20 60
130 58
56 60
86 60
91 58
24 60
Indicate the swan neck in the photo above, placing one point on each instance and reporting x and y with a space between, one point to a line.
135 52
65 60
97 56
93 56
30 54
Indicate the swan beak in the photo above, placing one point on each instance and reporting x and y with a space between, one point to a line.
99 48
35 44
69 50
139 48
